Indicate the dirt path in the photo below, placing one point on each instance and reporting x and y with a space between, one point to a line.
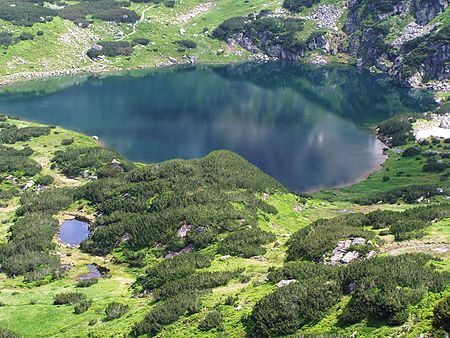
141 19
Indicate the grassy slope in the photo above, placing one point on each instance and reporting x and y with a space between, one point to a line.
63 45
28 310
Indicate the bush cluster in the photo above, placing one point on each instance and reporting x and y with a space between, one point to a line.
441 315
28 250
165 313
187 43
111 49
320 237
115 310
297 6
107 10
151 203
13 134
246 242
380 289
409 194
24 13
211 321
17 162
74 161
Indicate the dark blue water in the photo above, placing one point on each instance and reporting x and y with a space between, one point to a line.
73 232
304 125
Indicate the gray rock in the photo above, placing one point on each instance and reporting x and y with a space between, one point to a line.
285 282
185 228
350 257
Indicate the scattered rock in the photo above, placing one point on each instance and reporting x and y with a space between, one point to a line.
326 16
285 282
95 137
349 257
28 185
185 228
185 250
342 255
298 208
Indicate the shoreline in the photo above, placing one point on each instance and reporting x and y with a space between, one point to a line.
381 159
22 77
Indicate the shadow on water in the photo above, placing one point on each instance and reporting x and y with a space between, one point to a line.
301 124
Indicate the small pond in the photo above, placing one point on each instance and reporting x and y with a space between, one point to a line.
73 231
95 271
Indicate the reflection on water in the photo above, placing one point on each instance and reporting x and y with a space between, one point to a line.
300 124
73 231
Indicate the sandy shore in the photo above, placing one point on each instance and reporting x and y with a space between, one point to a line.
435 126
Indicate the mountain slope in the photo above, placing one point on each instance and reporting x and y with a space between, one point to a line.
407 38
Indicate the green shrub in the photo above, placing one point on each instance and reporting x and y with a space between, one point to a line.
291 307
322 236
435 166
67 141
50 201
396 130
28 247
212 320
26 36
194 282
151 203
115 310
411 152
245 242
82 306
140 41
174 268
45 180
5 333
74 161
441 315
25 13
14 134
84 283
68 298
165 313
6 39
187 43
297 6
229 27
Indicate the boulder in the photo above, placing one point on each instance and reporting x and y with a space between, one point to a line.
350 257
285 282
185 228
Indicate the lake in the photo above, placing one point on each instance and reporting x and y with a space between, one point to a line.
305 125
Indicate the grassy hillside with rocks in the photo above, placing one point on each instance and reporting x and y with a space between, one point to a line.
407 38
214 247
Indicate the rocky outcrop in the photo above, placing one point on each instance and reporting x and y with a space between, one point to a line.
345 251
420 53
426 10
327 43
285 282
266 45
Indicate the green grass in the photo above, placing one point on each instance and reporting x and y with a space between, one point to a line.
27 308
